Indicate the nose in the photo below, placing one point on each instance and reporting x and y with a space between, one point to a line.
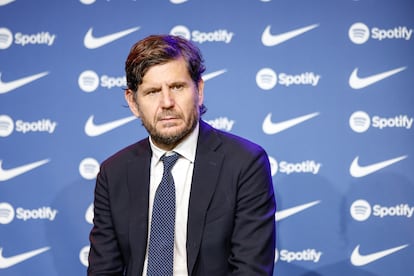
167 98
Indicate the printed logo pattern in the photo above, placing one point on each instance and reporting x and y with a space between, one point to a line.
357 82
328 96
7 174
357 170
273 128
92 129
360 260
294 210
6 87
6 262
269 39
6 2
94 42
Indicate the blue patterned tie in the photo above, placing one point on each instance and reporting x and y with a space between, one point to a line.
161 244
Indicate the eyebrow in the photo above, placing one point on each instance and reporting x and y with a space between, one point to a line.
158 86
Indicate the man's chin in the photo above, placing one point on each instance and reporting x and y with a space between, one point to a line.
170 129
171 135
168 138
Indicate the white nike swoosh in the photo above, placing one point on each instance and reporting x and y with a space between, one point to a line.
91 129
294 210
12 85
360 171
356 82
272 128
178 1
12 173
211 75
6 2
14 260
359 260
92 42
271 40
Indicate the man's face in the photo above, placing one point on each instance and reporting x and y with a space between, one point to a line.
167 102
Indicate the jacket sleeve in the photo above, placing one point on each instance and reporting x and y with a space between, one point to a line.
104 256
253 238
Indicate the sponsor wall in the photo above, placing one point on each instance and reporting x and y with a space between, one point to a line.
324 86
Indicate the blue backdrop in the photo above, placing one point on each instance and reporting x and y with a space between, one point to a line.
324 86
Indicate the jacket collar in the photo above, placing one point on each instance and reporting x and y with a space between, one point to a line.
207 166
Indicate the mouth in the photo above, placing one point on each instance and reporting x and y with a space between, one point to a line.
169 121
168 118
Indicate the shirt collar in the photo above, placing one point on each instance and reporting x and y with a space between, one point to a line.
187 148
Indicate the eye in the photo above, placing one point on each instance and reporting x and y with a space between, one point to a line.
152 91
177 87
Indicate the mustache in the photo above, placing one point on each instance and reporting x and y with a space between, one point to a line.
168 113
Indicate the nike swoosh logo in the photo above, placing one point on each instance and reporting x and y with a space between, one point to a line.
178 1
359 260
271 40
6 87
294 210
272 128
92 129
6 2
357 82
14 172
211 75
360 171
92 42
14 260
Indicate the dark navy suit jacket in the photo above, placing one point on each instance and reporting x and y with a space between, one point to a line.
231 224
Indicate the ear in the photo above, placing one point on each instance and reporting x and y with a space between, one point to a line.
132 103
200 86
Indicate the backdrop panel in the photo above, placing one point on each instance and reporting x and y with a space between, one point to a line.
324 86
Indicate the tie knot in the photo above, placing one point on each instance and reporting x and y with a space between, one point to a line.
169 160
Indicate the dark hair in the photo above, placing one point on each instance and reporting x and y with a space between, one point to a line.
160 49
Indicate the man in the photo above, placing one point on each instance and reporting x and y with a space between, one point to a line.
224 201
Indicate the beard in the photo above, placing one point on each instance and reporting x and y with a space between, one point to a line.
174 138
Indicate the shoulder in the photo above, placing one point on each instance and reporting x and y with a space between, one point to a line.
230 143
129 153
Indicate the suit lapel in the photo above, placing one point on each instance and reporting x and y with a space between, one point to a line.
138 190
207 167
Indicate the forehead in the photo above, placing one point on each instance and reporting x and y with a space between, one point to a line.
173 70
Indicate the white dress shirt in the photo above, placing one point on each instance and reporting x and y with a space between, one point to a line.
182 173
